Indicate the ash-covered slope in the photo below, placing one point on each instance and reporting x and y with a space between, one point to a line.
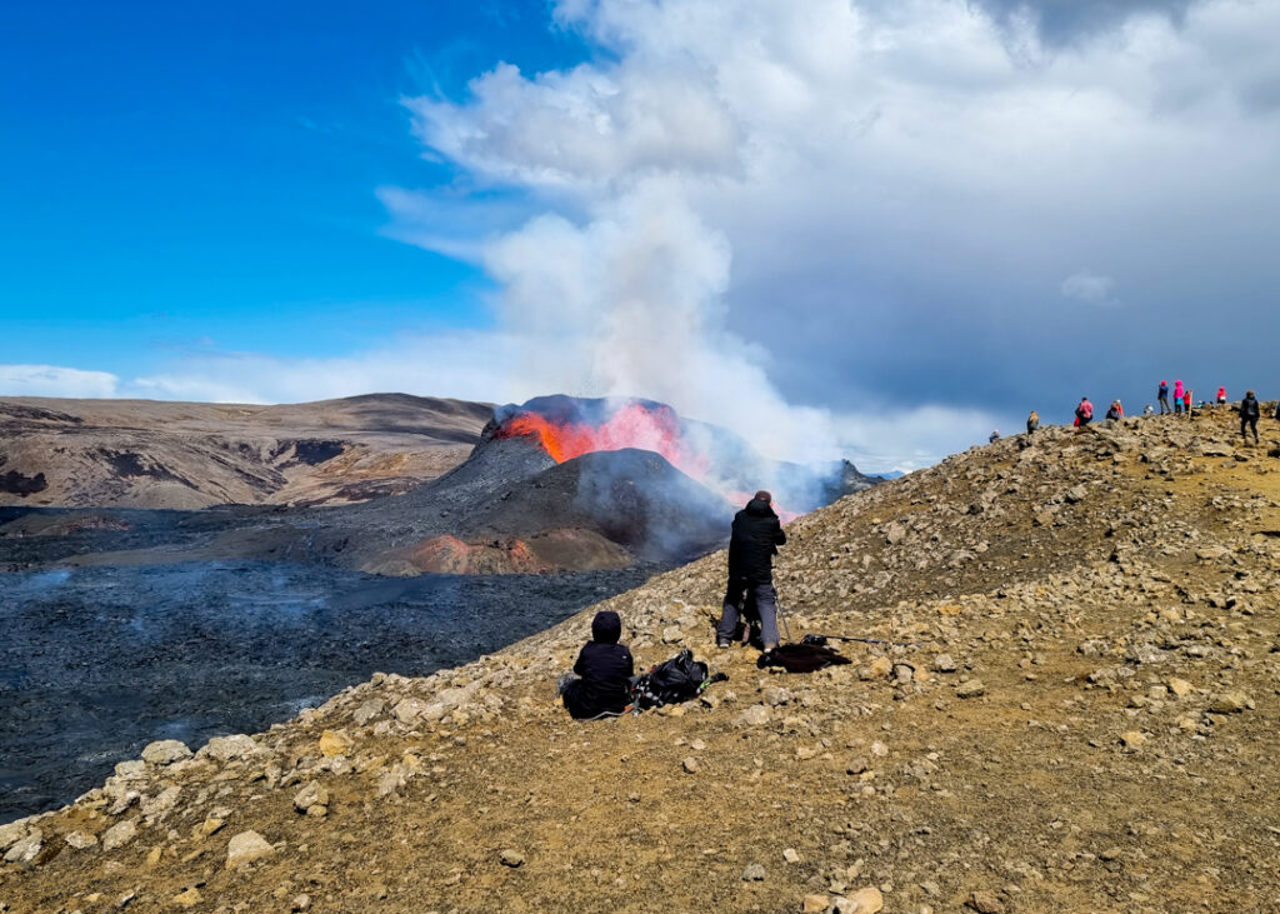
1081 714
156 454
512 508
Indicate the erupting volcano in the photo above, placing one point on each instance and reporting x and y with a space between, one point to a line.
568 428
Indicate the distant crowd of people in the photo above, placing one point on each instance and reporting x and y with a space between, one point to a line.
1249 409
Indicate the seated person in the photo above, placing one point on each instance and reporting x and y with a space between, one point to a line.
605 668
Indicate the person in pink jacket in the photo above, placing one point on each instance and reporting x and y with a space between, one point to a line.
1177 396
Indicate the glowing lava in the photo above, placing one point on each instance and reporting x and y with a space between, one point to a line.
635 425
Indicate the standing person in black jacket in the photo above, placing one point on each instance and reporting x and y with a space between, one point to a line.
606 669
1249 413
757 534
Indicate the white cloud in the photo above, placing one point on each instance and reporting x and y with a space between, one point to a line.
889 190
56 381
1089 288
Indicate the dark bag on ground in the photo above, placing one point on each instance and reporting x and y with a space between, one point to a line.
671 682
805 657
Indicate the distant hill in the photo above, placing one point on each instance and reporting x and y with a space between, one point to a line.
157 454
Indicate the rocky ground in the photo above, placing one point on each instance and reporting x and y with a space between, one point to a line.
155 454
1081 715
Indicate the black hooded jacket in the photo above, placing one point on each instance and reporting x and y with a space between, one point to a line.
1249 408
606 668
757 534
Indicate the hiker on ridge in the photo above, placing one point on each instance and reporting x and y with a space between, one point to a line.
1163 396
1084 413
757 534
1177 397
1222 395
1249 413
1116 411
605 668
1033 422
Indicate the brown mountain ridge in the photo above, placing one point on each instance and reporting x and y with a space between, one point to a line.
159 454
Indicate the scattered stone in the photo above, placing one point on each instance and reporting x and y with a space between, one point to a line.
409 710
985 902
690 765
247 847
791 855
944 664
1180 687
1230 703
188 899
312 800
228 748
776 696
815 904
301 903
972 688
755 872
367 712
79 840
866 901
672 635
209 826
11 834
119 835
26 849
881 667
165 752
857 766
754 716
1132 739
512 858
334 743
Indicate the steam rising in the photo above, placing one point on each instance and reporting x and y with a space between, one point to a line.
631 304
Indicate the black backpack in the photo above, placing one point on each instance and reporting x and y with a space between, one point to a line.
805 657
671 682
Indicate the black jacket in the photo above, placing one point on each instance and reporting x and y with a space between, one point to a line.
1249 408
606 668
757 534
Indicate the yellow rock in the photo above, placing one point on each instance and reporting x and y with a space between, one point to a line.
1132 739
208 827
881 666
868 900
154 856
1180 687
188 899
334 742
815 904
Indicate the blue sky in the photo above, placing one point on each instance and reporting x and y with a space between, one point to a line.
876 228
181 175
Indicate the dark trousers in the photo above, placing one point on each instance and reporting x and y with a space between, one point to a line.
765 599
1250 422
1164 405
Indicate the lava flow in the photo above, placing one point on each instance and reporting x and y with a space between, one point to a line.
649 427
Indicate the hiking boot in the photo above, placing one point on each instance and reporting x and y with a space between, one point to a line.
770 647
723 643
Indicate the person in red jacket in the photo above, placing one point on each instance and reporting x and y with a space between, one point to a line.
1222 395
1084 413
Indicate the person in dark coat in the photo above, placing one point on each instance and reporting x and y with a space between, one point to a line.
1163 396
757 534
605 668
1249 413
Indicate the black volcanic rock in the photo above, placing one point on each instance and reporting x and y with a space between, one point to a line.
632 497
